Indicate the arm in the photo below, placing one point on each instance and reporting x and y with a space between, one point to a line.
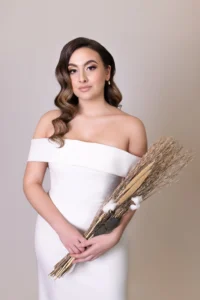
33 179
40 200
137 146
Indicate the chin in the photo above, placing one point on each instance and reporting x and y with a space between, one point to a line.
87 96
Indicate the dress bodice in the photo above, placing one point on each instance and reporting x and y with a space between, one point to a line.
91 155
82 174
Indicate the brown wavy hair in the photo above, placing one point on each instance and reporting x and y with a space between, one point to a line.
66 100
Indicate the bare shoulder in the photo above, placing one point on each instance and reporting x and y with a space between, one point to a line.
137 135
44 126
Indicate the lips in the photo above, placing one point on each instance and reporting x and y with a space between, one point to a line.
85 88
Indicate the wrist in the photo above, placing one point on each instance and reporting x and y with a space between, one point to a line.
60 226
117 232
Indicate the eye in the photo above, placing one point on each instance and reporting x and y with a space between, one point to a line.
70 71
92 67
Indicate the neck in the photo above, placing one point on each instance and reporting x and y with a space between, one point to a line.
93 107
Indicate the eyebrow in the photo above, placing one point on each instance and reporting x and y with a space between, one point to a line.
87 62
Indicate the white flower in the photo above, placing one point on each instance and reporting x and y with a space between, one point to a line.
137 200
109 206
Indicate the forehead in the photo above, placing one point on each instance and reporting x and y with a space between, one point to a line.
81 55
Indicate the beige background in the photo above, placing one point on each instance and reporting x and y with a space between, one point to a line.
156 48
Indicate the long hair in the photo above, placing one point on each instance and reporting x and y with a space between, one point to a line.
66 100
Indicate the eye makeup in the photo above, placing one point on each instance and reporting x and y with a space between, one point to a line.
93 67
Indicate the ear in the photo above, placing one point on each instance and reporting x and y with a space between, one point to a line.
108 71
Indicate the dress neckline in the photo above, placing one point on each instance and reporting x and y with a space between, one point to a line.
95 143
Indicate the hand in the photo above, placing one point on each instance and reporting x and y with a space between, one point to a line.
98 245
72 239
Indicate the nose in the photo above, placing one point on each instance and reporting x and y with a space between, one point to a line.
82 76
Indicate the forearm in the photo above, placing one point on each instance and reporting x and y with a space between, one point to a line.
43 204
124 222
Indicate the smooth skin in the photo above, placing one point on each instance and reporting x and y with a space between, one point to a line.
96 121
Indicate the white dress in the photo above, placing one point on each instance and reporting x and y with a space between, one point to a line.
82 174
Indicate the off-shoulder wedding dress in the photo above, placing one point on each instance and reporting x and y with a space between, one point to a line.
82 174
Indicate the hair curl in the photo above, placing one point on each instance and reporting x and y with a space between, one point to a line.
66 100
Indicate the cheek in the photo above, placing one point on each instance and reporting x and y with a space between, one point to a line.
73 81
98 78
98 82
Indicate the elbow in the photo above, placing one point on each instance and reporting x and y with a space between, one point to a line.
27 186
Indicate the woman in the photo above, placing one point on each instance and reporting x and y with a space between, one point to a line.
89 146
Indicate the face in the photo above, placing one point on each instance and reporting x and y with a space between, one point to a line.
86 69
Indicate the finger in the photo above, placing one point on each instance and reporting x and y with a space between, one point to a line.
75 249
85 253
79 246
87 242
88 258
82 239
94 257
81 249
